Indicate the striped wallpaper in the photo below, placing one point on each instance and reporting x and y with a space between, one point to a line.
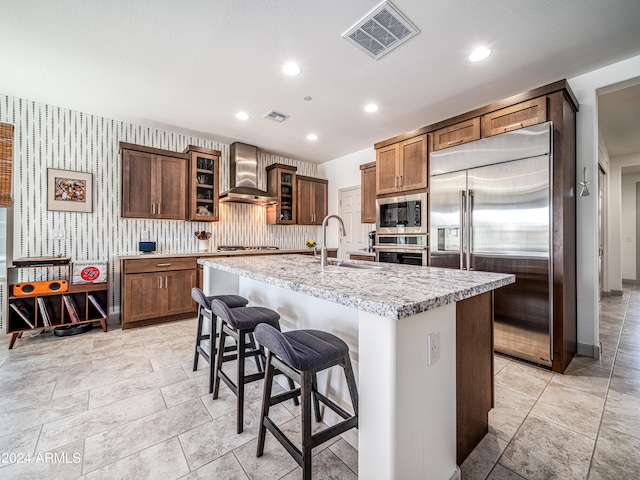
54 137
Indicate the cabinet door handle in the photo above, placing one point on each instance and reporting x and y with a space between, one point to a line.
400 180
166 282
158 212
453 142
513 126
153 208
160 278
215 212
163 264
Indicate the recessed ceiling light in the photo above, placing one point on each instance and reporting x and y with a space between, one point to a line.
372 107
291 69
242 116
479 54
312 136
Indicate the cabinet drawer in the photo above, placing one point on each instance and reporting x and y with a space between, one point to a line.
518 116
462 132
159 264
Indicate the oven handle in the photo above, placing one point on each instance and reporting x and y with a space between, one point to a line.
404 248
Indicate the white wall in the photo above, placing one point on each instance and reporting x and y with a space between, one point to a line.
628 218
586 88
623 220
342 172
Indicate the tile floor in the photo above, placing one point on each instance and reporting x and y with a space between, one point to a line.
126 405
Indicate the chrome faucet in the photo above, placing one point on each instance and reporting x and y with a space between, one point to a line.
323 251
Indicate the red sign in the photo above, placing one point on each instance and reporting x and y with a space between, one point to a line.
90 274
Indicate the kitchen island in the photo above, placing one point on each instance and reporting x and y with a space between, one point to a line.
408 416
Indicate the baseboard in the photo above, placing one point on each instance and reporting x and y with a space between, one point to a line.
457 475
592 351
616 293
629 281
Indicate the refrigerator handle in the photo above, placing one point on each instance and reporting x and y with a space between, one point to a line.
462 226
469 229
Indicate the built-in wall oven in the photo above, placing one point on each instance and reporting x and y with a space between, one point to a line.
401 229
404 249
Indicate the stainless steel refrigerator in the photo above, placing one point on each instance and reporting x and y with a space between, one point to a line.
490 210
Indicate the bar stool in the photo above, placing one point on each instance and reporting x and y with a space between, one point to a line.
240 323
300 355
204 312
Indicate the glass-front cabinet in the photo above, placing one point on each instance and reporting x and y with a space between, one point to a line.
281 181
203 195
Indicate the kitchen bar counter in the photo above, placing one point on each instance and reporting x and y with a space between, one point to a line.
394 291
417 418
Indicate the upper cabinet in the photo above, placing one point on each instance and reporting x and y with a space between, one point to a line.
281 183
457 134
368 192
517 116
154 183
402 166
312 199
204 183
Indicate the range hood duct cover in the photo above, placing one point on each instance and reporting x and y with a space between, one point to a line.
243 177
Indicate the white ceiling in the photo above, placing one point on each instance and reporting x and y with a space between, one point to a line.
190 65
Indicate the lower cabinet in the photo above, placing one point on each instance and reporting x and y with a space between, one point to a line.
157 290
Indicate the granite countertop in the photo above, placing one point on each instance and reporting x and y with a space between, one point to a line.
398 291
236 253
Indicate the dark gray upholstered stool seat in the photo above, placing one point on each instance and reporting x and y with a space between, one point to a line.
240 323
300 355
204 311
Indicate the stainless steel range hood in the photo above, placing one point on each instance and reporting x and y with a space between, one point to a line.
243 177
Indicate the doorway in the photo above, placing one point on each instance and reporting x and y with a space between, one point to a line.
350 210
601 228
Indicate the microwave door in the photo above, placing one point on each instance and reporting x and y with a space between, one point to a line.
446 225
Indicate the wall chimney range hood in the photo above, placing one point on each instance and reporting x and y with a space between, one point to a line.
243 177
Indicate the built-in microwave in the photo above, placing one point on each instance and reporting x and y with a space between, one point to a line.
406 214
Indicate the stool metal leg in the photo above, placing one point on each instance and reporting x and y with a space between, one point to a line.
198 339
219 357
240 382
306 391
266 402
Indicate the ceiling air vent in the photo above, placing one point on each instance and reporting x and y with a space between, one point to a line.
276 116
380 31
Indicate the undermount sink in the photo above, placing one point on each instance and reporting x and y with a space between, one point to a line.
363 266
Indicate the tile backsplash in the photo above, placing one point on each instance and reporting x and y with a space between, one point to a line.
53 137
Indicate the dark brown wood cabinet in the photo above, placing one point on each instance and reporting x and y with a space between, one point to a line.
368 192
281 183
156 290
204 184
457 134
312 200
515 117
474 371
402 166
154 183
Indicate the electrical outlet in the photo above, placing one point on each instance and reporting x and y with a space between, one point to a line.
433 347
57 234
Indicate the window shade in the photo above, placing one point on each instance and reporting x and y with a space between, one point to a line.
6 163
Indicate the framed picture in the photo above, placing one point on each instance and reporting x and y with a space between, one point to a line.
69 191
